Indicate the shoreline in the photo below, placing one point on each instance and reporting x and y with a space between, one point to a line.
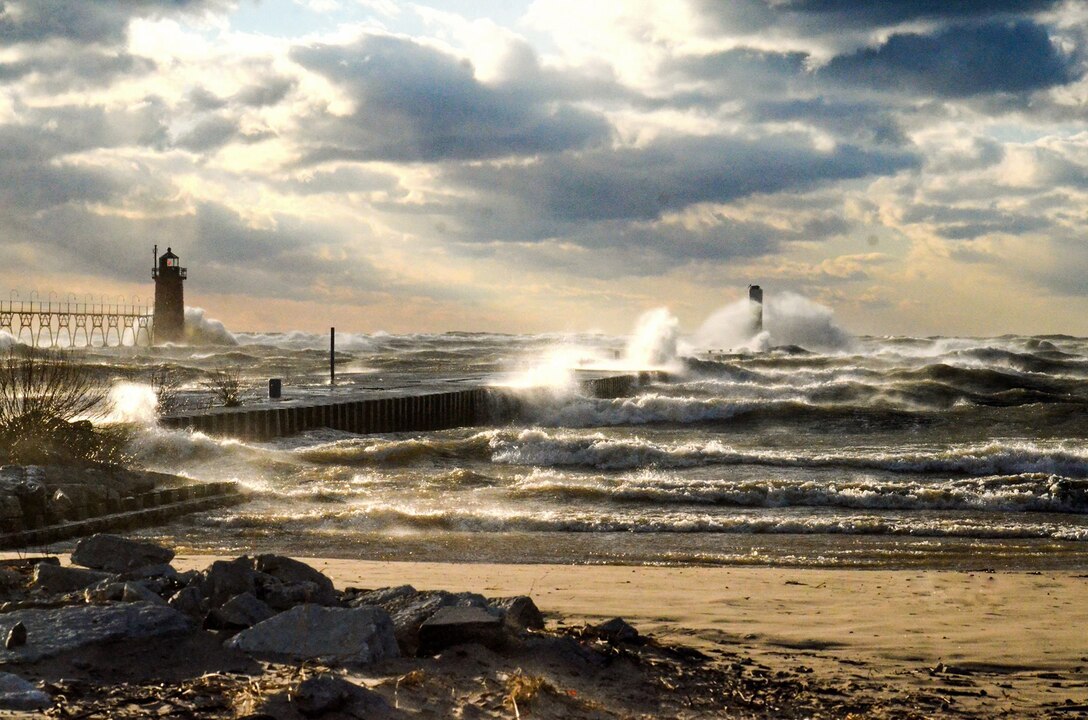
1006 637
784 641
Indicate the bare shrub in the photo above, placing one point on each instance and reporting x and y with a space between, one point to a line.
47 400
226 385
166 382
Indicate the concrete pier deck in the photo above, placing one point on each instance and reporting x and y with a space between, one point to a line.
396 406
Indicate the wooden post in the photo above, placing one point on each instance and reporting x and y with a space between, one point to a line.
332 356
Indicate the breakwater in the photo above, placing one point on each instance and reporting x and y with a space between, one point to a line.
145 509
438 407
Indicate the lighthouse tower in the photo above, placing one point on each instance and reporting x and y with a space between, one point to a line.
169 297
755 308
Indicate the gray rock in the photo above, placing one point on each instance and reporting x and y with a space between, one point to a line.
290 572
62 506
25 484
383 596
338 635
226 578
56 579
160 570
189 600
59 630
241 611
107 591
17 693
284 596
409 610
459 625
324 694
16 636
616 630
118 554
521 612
138 592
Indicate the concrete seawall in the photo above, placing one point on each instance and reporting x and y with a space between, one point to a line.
420 411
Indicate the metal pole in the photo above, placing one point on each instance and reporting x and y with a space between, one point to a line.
332 356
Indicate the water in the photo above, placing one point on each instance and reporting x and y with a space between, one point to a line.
869 452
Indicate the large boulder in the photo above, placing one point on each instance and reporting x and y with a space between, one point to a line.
313 632
117 554
410 608
521 612
226 578
292 572
56 579
55 631
241 611
460 625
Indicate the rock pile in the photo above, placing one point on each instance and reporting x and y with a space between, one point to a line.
267 606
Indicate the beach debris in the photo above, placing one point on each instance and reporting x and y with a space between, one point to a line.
17 693
520 686
16 636
58 630
116 554
56 579
313 632
453 625
521 612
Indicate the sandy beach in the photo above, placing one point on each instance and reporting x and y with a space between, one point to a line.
992 644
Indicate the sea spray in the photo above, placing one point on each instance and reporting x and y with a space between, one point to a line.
788 319
653 343
202 330
134 403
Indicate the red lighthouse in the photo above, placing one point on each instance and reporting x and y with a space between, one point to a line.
169 324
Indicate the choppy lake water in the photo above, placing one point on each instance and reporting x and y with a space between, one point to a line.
891 452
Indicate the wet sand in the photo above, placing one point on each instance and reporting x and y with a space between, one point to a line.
994 644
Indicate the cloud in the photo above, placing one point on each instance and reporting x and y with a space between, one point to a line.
880 13
959 61
417 104
641 183
82 21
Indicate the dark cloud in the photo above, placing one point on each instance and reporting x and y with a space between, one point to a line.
809 18
82 21
674 173
862 122
82 68
269 92
209 134
959 61
877 13
415 103
218 131
46 133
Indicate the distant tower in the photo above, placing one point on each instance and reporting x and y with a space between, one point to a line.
755 308
169 298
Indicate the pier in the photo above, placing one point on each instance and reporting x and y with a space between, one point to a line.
434 405
81 324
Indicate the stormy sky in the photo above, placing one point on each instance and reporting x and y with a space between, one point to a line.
918 166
